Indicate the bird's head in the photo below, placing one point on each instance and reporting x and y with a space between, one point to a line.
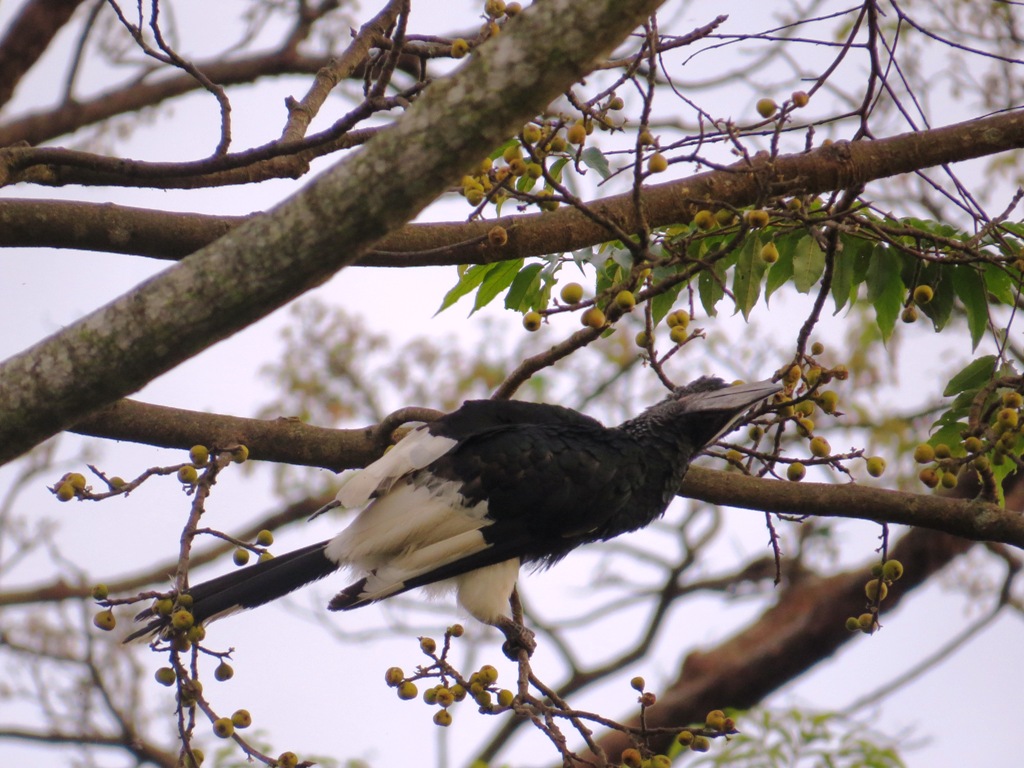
708 408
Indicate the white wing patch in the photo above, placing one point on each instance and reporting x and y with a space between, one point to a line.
408 519
415 451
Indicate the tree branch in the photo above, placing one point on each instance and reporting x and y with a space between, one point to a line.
268 261
121 229
292 442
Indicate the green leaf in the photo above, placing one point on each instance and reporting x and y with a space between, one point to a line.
940 308
808 264
498 277
885 289
592 157
970 288
469 280
1000 284
972 376
746 281
782 270
556 168
855 251
711 288
523 286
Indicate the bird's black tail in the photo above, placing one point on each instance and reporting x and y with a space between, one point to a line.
249 587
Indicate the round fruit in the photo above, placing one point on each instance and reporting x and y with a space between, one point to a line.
188 475
923 294
852 625
800 98
679 317
497 236
428 644
766 107
66 492
1013 399
532 133
631 758
456 630
703 219
224 671
407 690
199 455
443 718
866 621
264 556
817 348
876 466
769 253
76 480
678 334
576 133
820 447
642 339
488 675
223 727
494 8
1008 417
616 103
796 472
240 556
657 163
165 676
593 318
394 676
240 454
443 697
924 454
685 738
182 619
638 683
757 218
700 744
892 570
625 300
973 445
506 697
532 321
287 760
948 480
876 590
942 451
572 293
715 719
100 592
459 48
929 477
241 718
909 314
828 400
264 538
105 620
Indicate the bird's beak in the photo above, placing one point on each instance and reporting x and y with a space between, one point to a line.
730 403
737 398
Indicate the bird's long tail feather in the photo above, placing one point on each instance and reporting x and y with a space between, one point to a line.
249 587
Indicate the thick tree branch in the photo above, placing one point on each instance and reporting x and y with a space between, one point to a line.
293 442
268 261
144 232
804 627
975 520
28 37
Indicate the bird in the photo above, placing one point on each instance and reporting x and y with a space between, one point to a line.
467 499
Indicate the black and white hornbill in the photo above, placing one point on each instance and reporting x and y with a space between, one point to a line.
468 498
